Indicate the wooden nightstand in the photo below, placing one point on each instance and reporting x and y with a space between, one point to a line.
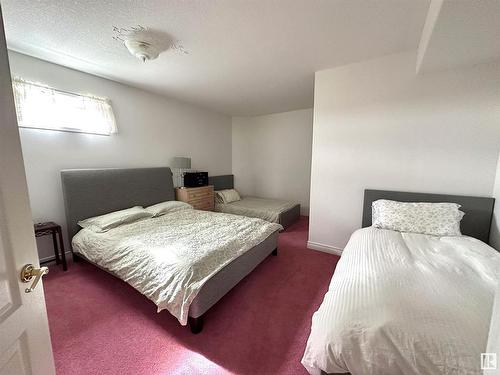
53 229
201 198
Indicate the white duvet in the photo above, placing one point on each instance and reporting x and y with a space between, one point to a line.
169 258
402 303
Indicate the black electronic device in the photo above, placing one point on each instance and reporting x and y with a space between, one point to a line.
195 179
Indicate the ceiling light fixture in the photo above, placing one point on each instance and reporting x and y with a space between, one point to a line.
144 43
142 50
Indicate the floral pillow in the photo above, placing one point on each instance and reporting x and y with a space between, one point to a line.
437 219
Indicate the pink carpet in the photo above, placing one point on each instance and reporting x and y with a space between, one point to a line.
100 325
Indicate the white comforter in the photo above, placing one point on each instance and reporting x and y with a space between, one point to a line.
168 259
402 303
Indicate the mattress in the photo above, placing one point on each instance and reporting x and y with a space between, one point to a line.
402 303
169 258
262 208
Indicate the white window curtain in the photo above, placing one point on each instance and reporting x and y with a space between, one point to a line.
42 107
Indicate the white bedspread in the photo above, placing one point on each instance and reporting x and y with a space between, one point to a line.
402 303
169 258
263 208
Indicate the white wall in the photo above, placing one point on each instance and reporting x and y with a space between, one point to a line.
151 129
378 125
272 156
495 225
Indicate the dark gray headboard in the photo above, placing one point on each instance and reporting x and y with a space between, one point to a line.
478 210
222 182
93 192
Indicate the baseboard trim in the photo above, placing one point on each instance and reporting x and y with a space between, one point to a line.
324 248
52 258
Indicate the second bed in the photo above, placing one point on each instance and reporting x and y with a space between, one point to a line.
183 261
273 210
408 303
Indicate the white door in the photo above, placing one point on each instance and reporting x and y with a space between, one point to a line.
25 346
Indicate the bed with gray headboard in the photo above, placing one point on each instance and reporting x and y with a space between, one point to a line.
286 217
93 192
387 285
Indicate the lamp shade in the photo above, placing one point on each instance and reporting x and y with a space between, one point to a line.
180 162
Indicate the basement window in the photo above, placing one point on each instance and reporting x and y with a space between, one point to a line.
42 107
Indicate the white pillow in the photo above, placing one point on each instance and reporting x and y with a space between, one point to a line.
168 207
227 196
106 222
437 219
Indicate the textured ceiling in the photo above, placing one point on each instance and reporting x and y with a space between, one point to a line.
245 57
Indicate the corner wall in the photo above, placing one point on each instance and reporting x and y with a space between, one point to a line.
377 125
272 156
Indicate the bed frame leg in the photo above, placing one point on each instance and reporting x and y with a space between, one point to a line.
275 252
196 324
76 258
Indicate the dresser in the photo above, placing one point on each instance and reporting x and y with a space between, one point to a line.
201 198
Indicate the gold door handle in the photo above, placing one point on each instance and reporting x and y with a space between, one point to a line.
28 272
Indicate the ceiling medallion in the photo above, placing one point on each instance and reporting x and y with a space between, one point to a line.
146 44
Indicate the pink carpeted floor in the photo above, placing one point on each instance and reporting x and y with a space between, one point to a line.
100 325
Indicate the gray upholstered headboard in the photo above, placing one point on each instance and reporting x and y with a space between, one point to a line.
478 210
93 192
222 182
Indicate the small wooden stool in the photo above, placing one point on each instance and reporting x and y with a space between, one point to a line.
44 229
